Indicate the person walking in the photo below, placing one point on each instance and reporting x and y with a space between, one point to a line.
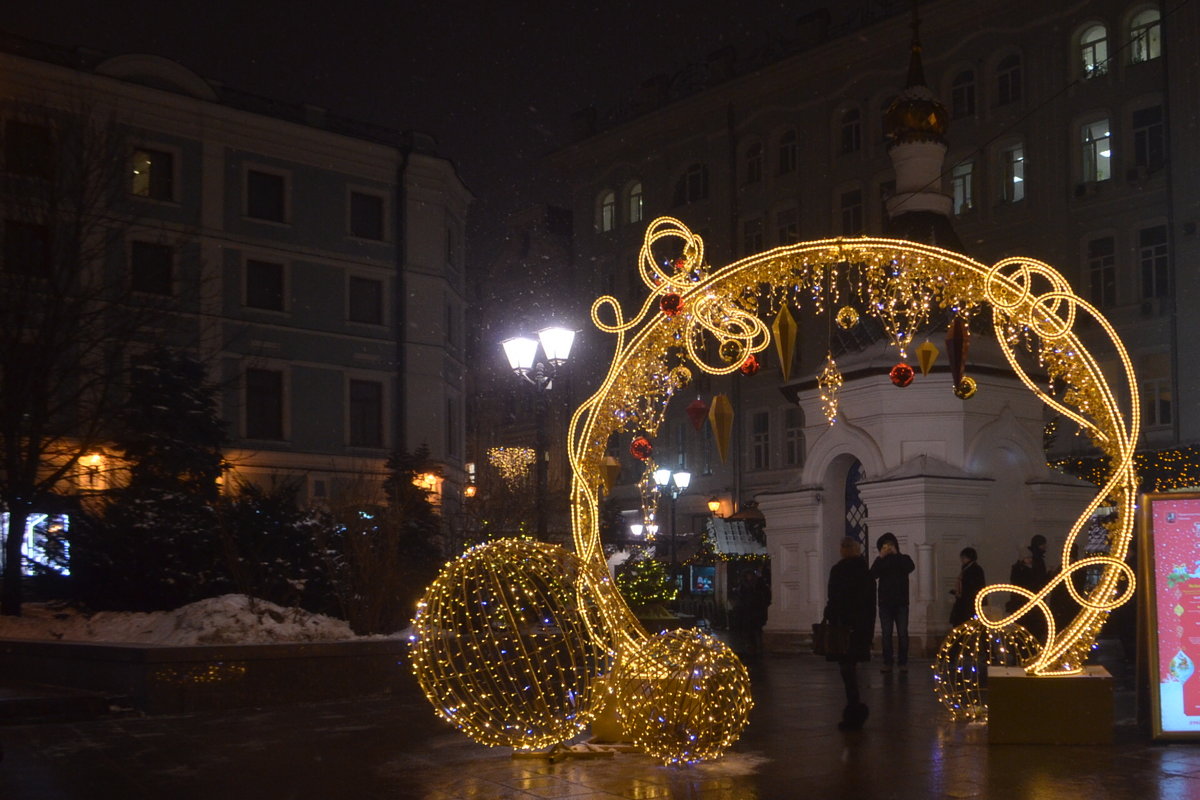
968 585
750 612
891 569
850 602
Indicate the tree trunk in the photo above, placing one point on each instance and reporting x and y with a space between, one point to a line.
10 596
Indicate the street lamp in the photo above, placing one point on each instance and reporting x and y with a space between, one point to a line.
672 484
521 352
714 505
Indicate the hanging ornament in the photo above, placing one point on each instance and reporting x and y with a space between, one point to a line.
750 366
697 412
640 448
927 353
966 388
720 416
730 350
671 304
610 470
958 341
829 382
847 317
680 263
901 374
680 377
784 327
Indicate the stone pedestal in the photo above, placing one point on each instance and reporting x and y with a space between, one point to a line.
1074 709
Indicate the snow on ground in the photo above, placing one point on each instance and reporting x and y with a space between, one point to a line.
229 619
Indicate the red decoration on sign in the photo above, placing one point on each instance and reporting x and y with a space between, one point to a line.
671 304
958 341
901 374
640 448
697 412
750 365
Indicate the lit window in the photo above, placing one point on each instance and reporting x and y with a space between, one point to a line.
607 219
1145 37
1102 272
962 94
1149 138
754 162
150 267
1154 262
793 437
1097 151
1012 171
787 225
789 151
153 174
1093 50
961 180
1008 80
851 130
851 207
635 207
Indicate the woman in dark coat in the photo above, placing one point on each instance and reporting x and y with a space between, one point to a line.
852 603
970 583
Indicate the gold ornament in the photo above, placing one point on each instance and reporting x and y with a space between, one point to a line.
966 388
731 351
785 329
720 416
927 354
829 382
512 463
847 317
680 377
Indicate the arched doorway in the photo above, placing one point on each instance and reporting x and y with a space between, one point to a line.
855 508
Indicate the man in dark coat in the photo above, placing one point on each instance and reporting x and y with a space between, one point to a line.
851 602
891 569
970 582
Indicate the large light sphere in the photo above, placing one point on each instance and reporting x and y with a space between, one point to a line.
682 696
960 668
504 644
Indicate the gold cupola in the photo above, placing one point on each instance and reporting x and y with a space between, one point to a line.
915 115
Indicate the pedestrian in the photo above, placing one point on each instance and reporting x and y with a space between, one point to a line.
891 569
1029 572
750 611
969 583
851 603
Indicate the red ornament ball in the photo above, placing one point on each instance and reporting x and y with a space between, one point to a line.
901 374
671 304
680 263
750 365
640 448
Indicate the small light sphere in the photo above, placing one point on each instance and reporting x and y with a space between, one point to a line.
960 667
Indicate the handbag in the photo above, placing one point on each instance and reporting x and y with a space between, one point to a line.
830 639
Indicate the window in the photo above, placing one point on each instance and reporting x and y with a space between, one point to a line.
1008 80
1102 272
787 225
754 163
153 174
606 218
752 236
692 186
789 152
150 267
1149 138
962 190
28 149
26 248
1093 49
851 131
264 404
793 437
851 208
366 216
1154 262
760 440
635 207
962 95
1012 173
264 285
1145 37
266 196
1154 370
366 300
366 414
1097 151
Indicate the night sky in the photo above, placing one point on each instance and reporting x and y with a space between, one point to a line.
495 83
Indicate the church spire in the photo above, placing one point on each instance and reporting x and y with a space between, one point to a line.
916 70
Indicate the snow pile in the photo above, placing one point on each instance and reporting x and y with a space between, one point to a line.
229 619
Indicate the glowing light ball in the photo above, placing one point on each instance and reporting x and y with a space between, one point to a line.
682 696
960 668
504 644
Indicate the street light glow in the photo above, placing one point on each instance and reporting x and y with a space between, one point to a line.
556 342
521 352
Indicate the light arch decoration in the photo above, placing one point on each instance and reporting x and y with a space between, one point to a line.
686 698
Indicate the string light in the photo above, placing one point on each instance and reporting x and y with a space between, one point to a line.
512 463
960 667
829 382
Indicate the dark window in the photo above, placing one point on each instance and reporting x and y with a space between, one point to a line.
789 150
265 196
26 248
366 414
366 301
1155 262
366 216
264 285
692 186
851 207
28 149
1008 80
153 174
793 437
760 440
787 225
451 427
1102 271
150 267
451 247
851 131
962 94
752 236
754 163
264 404
1149 139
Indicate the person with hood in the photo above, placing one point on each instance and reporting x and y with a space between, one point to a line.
851 603
970 582
891 569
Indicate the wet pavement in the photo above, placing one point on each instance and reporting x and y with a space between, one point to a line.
393 747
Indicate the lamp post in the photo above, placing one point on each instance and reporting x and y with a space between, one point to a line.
672 484
522 354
